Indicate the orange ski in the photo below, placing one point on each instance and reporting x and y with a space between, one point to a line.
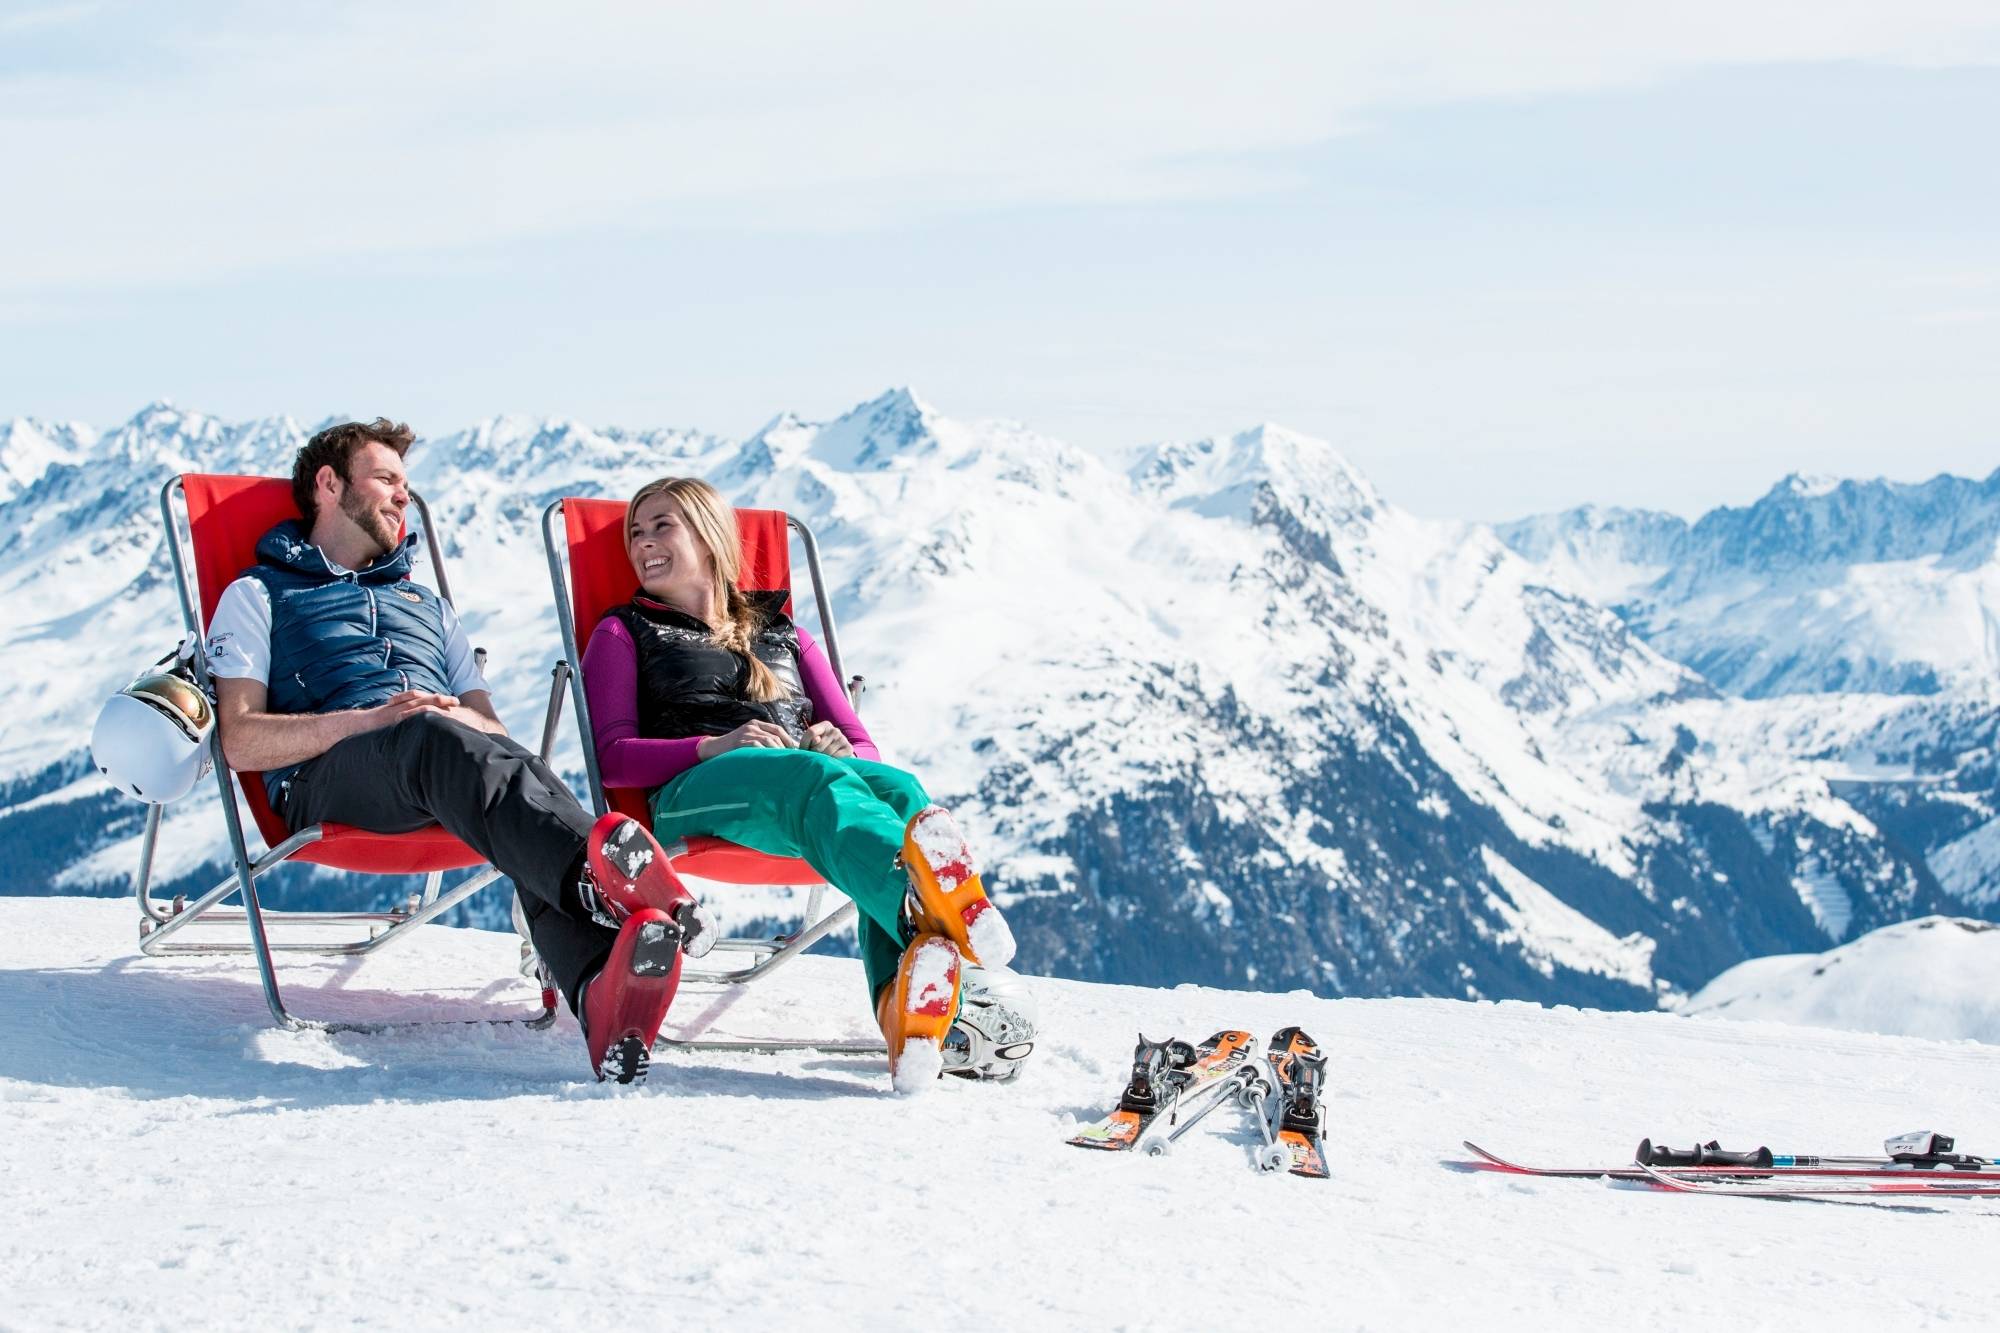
1163 1073
1297 1070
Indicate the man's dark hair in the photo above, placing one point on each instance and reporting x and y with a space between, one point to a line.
334 447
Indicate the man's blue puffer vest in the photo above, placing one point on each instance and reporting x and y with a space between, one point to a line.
344 638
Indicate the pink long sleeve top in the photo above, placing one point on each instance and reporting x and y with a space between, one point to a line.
627 759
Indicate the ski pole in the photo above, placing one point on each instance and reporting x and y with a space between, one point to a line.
1159 1145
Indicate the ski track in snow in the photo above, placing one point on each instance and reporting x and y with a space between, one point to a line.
171 1159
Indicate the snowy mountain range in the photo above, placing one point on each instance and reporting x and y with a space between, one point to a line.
1226 716
1822 585
1863 620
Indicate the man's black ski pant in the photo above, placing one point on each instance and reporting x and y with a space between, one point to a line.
491 793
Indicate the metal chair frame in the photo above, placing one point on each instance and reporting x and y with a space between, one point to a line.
768 955
158 926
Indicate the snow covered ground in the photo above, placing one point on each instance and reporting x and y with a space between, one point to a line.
1931 977
169 1160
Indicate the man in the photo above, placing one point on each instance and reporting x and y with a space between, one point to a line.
352 688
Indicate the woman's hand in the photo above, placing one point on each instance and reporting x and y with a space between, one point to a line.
829 739
751 735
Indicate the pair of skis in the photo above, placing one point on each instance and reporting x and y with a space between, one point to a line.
1174 1086
1913 1164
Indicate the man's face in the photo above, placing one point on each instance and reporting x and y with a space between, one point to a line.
375 494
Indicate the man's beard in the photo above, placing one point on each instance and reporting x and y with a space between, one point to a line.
371 521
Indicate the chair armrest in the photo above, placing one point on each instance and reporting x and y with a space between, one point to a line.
558 677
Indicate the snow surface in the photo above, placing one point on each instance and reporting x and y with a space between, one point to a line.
170 1159
931 977
1932 977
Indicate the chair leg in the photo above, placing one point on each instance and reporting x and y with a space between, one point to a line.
143 882
154 943
559 677
791 949
158 941
778 957
773 1044
434 906
246 882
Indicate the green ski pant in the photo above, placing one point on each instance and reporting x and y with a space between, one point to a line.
845 817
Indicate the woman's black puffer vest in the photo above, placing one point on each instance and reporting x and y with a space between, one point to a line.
690 686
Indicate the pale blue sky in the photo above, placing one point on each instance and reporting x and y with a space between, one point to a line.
1506 266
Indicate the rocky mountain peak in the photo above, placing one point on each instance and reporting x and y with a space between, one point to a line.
29 448
1821 585
1236 475
889 430
1802 486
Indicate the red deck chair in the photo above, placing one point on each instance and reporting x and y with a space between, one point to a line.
215 542
586 538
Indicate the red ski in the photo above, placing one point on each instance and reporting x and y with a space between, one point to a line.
1932 1186
1935 1162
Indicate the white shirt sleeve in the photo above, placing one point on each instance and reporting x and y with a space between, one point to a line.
461 668
239 634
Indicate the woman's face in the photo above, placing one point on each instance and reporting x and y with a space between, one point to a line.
673 565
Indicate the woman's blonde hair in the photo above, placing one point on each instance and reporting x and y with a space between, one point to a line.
734 622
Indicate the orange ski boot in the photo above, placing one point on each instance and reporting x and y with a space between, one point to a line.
916 1010
950 899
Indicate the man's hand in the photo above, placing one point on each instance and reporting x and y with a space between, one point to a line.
829 739
399 706
751 735
474 709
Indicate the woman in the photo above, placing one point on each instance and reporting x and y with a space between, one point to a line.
732 714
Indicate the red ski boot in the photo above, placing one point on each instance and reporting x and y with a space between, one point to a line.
623 1006
628 871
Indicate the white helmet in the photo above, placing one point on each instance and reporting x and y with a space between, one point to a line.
995 1028
151 737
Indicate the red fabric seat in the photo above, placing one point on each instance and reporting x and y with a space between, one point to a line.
601 577
226 517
